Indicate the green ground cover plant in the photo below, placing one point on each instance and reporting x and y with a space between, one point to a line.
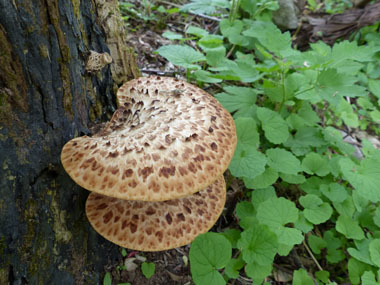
304 185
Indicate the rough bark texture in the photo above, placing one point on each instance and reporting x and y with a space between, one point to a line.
47 98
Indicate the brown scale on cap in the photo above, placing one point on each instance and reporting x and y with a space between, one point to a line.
168 139
155 226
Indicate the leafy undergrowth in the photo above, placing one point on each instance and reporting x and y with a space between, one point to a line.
307 194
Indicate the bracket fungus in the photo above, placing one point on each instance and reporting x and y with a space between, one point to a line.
157 166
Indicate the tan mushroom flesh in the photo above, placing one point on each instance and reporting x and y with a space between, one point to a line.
168 139
155 226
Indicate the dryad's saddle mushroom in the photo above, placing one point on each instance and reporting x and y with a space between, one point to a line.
167 140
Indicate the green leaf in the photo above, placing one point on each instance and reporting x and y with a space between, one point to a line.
246 71
260 195
247 134
148 269
107 279
192 30
376 217
346 207
316 243
302 224
323 276
206 76
205 6
208 253
241 100
314 163
334 254
232 235
233 267
356 270
332 85
316 211
274 126
271 38
258 245
365 178
172 36
300 277
184 56
349 228
247 163
368 278
244 209
293 179
334 137
265 179
258 272
275 213
334 192
361 252
283 161
232 30
374 251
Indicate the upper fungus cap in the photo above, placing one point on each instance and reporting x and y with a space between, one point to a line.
155 226
167 140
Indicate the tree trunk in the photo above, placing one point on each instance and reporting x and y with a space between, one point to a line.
47 98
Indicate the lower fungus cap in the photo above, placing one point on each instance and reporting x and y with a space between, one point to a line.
156 226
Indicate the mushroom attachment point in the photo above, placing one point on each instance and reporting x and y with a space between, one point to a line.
167 140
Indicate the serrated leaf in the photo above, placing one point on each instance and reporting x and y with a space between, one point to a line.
316 211
258 245
332 85
206 76
244 209
265 179
323 276
241 100
246 71
334 254
314 163
346 207
349 228
283 161
208 253
365 178
184 56
232 30
334 137
271 38
274 126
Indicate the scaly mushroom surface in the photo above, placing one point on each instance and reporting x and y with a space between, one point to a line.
167 140
155 226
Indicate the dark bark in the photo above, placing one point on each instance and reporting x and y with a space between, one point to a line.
47 98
